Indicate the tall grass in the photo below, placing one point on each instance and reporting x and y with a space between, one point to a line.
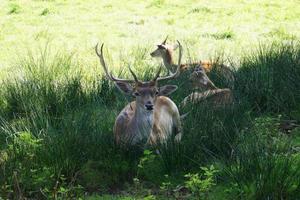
56 131
269 78
264 165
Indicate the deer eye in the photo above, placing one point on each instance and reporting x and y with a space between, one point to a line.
156 92
136 94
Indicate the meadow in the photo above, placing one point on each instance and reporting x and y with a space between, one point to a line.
57 110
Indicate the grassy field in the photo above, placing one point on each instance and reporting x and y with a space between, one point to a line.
205 27
57 111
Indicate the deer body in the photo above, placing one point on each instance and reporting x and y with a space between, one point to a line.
167 57
152 118
134 125
212 94
217 97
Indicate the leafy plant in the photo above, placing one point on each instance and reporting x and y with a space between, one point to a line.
201 184
150 167
166 186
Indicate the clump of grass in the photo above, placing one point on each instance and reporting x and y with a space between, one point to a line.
223 35
137 22
14 9
45 11
264 166
44 34
108 6
270 78
170 21
198 10
281 33
157 3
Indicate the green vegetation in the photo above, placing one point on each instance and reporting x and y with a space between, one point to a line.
57 110
57 142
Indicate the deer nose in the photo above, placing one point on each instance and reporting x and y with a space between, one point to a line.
149 106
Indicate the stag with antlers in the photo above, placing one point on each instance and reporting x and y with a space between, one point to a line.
153 117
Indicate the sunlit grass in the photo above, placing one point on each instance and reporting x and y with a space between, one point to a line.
205 27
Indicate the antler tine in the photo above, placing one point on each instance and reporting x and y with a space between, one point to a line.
100 55
133 74
157 74
177 72
179 58
164 42
109 75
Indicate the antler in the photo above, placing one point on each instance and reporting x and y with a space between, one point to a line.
157 74
133 74
177 72
109 75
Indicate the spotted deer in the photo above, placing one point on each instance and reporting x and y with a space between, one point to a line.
152 117
165 51
214 95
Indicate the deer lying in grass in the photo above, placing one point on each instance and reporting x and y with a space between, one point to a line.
213 94
152 118
165 51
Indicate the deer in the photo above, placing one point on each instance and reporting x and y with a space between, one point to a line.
218 97
152 117
165 51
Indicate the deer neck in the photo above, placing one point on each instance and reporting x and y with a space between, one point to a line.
168 60
209 86
142 123
212 86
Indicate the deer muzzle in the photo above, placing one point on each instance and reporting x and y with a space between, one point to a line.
149 107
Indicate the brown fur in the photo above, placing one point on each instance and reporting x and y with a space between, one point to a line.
217 97
212 94
125 129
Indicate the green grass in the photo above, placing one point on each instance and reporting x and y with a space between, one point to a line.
14 9
205 27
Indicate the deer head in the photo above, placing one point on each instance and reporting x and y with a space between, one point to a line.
164 50
146 92
200 80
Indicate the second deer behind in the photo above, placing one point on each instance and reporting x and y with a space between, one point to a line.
165 51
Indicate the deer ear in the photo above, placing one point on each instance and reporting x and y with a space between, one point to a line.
167 90
161 46
124 87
